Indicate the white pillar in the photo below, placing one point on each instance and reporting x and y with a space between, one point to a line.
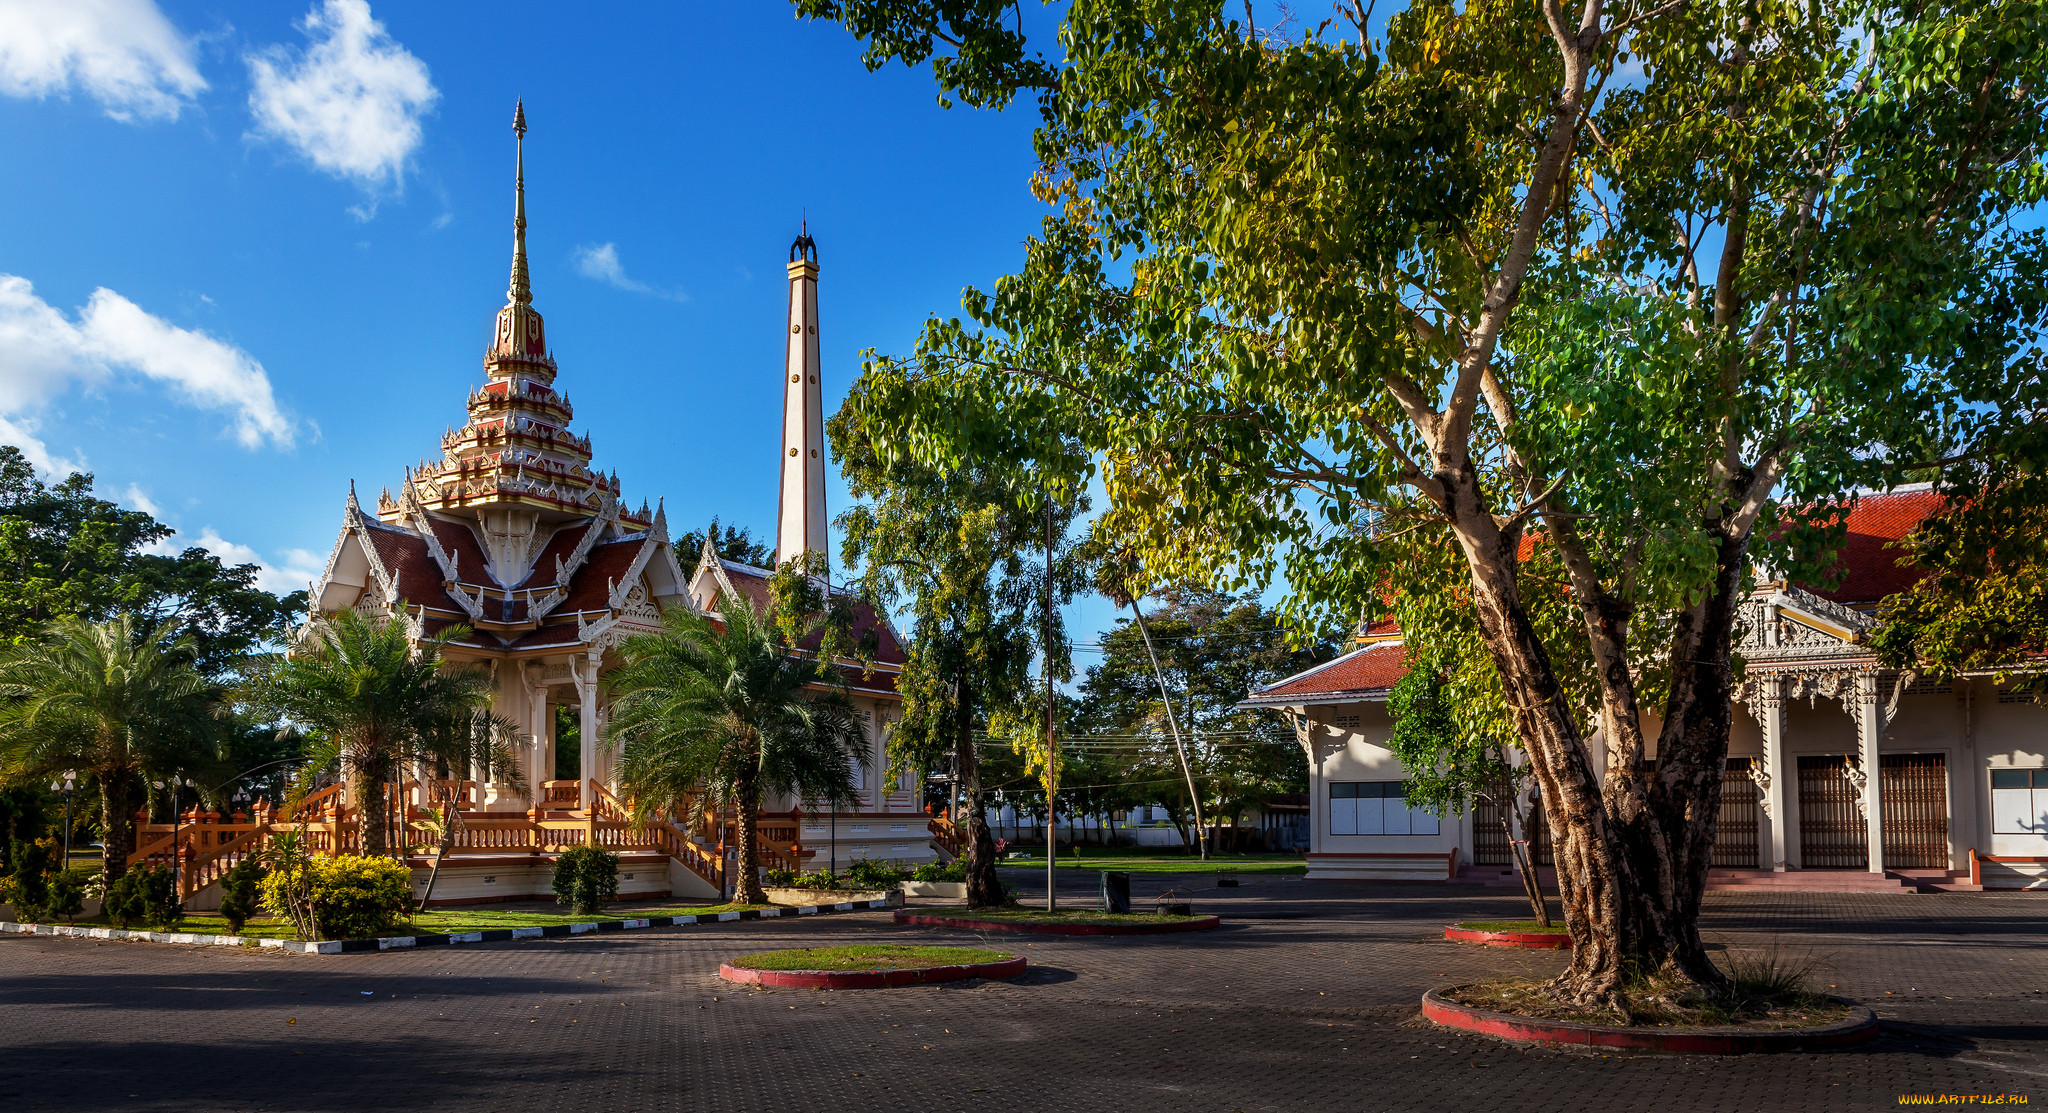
536 728
1780 780
586 691
1869 711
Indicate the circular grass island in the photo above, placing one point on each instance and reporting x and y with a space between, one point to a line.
869 966
1751 1017
1038 921
1508 933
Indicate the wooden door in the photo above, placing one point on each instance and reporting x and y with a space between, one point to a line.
1913 793
1832 834
1735 839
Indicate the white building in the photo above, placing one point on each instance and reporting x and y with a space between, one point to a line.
1960 795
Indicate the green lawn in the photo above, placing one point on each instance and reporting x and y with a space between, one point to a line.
886 956
452 920
1512 925
1020 915
1130 860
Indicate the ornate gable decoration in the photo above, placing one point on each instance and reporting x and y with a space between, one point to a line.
1793 622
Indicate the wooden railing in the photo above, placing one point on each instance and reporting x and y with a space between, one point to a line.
946 836
561 795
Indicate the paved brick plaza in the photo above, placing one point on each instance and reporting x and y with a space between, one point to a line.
1306 1000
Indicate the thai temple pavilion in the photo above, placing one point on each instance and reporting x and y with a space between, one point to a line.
516 536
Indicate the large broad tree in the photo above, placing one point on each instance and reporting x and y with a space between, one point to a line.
1632 292
952 547
124 706
65 552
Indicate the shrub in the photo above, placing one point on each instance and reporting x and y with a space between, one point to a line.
238 895
780 879
287 887
955 870
27 887
588 878
351 897
68 890
146 896
875 873
816 879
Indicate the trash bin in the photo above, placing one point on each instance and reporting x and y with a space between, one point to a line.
1116 892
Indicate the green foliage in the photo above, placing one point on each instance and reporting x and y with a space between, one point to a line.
374 701
26 886
145 897
1984 603
349 897
69 554
726 710
1212 649
779 878
955 870
286 888
875 873
121 702
587 877
69 889
734 543
240 893
1447 765
976 48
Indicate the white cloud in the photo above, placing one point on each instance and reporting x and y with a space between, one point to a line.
138 498
124 53
351 103
601 261
297 568
43 353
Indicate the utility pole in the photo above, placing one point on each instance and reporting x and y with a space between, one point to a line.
1166 701
1052 757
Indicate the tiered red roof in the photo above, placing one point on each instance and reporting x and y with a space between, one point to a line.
1872 567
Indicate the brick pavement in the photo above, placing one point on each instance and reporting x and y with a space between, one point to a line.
1306 1000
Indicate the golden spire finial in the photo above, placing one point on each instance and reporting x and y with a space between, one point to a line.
521 292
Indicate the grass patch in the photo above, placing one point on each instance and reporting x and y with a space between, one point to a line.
886 956
1169 861
444 921
1019 915
1512 925
1767 991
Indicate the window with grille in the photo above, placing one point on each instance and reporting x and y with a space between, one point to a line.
1377 808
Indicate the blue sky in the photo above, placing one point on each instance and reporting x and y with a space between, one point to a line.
253 251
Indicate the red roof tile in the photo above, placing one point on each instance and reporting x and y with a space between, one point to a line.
405 556
1871 570
752 583
460 542
1363 672
591 586
560 546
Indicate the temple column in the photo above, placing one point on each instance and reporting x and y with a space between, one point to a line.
1869 712
536 728
1776 783
585 672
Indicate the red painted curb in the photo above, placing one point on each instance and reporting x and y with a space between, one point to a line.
869 979
1543 939
1199 923
1861 1025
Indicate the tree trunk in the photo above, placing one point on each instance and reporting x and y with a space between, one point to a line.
747 804
373 809
1526 868
117 819
984 886
1616 879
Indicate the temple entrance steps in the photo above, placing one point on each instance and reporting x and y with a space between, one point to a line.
1809 881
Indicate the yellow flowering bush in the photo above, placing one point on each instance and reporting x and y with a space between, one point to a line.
350 897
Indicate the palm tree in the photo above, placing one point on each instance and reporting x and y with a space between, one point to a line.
728 710
101 698
374 699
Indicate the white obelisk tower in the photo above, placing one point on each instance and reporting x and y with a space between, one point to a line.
800 520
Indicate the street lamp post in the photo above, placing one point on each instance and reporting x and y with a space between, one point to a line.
70 782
